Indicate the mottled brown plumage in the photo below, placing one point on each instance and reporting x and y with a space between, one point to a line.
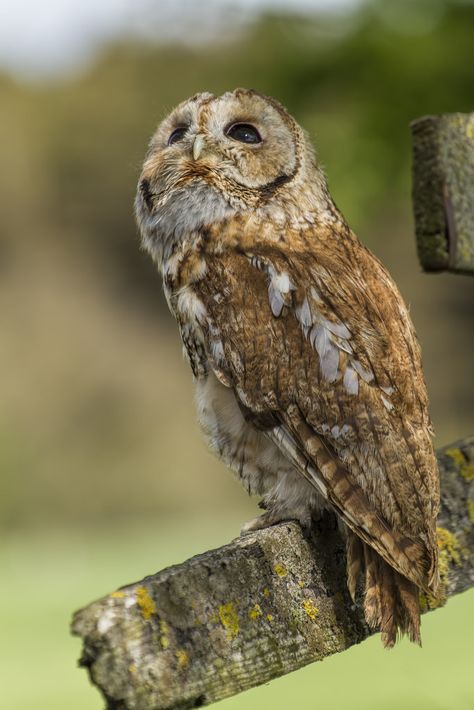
308 370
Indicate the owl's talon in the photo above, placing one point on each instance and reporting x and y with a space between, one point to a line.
264 521
258 523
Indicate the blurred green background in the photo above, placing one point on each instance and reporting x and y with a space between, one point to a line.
104 474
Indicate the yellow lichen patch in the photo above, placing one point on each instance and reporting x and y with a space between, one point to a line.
255 612
183 658
269 617
280 570
301 584
470 510
145 602
456 455
310 608
424 602
465 469
470 129
449 548
449 553
266 592
118 595
132 669
164 639
229 620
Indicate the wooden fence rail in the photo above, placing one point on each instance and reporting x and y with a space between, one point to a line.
262 606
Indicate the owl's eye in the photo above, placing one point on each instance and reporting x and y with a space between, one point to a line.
177 135
243 132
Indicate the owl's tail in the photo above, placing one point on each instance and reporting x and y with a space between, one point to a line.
390 600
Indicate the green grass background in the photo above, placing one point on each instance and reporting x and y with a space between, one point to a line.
47 576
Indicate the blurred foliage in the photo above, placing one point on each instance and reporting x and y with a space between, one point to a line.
96 419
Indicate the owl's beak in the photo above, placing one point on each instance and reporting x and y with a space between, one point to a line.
198 145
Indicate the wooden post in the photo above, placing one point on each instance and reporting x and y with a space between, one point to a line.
443 191
262 606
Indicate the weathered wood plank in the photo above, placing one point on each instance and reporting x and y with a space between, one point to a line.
443 191
262 606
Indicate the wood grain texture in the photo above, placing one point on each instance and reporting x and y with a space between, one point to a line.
443 191
262 606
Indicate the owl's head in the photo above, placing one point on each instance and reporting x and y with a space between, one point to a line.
215 156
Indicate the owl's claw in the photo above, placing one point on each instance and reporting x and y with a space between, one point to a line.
258 523
265 521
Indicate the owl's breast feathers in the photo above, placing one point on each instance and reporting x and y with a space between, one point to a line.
313 336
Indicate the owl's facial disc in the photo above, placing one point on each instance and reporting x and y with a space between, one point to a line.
236 143
214 157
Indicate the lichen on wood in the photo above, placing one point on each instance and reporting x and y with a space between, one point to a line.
262 606
443 191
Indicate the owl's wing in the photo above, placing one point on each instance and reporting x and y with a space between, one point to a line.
325 351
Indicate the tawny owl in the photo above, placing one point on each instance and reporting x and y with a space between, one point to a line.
307 367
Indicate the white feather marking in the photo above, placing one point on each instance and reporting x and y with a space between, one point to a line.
388 405
367 375
280 284
171 265
330 363
319 337
189 305
387 390
324 335
199 270
303 313
335 431
343 345
315 295
256 262
276 300
217 350
236 361
338 329
351 382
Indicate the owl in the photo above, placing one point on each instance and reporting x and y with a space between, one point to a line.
307 368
